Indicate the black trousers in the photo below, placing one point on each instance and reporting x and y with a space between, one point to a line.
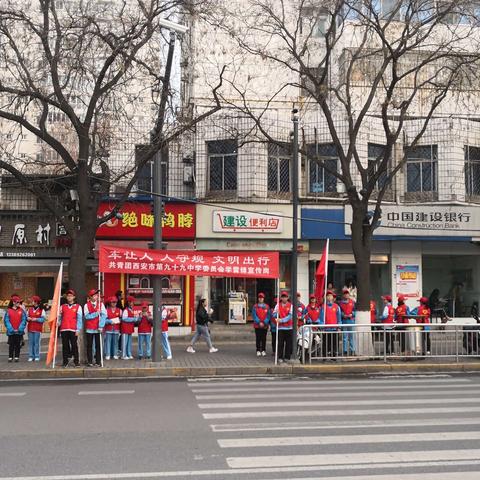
69 347
330 344
93 337
402 338
389 342
14 345
284 344
274 341
426 342
261 339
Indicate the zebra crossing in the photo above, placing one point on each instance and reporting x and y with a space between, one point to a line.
377 428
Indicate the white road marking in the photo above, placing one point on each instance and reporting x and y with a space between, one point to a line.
402 476
337 411
346 439
106 392
338 424
12 394
313 404
354 459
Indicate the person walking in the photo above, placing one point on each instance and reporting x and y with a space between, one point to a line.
167 351
70 325
348 308
261 320
95 316
388 319
145 333
273 326
283 313
35 318
424 313
202 318
401 318
15 321
112 328
127 327
331 312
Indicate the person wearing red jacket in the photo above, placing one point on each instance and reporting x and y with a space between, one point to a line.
261 320
330 315
424 312
36 317
283 314
348 308
312 312
112 328
145 324
15 321
127 327
401 317
273 326
388 319
300 311
70 325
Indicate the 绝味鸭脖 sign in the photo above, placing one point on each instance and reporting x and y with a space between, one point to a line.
114 259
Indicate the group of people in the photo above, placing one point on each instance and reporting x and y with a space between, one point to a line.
116 324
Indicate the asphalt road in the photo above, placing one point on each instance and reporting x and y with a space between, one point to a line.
381 428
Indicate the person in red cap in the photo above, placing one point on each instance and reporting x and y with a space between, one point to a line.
348 308
283 313
167 350
312 311
127 327
424 314
95 316
388 319
261 320
330 315
70 325
273 326
112 328
401 317
145 324
300 311
35 317
15 321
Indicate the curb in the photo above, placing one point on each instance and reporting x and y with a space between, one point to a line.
185 372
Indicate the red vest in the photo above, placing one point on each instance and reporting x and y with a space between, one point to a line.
92 324
313 313
331 314
284 311
347 308
261 312
69 317
391 314
144 326
425 312
372 312
116 312
400 314
300 310
128 327
34 326
15 316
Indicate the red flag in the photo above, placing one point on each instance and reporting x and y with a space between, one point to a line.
53 317
321 275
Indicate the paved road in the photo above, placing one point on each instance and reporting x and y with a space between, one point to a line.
380 428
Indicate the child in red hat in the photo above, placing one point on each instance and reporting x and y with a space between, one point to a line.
36 318
145 333
70 325
112 328
127 327
15 321
261 320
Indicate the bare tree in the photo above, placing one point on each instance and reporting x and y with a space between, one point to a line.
77 75
353 65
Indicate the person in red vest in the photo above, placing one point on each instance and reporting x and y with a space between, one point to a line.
273 326
283 313
145 333
425 313
300 311
401 317
36 317
167 350
15 321
127 327
261 320
95 316
373 321
312 312
70 325
112 328
388 319
330 315
348 308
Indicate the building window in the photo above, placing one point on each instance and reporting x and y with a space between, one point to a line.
375 156
313 22
422 168
145 176
322 162
472 170
279 167
222 162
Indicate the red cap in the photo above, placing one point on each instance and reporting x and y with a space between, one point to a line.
145 304
112 299
93 292
388 298
261 295
284 294
15 298
36 299
345 290
400 298
312 295
423 300
71 291
329 292
130 299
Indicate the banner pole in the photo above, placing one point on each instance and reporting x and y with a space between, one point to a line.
60 275
99 314
278 313
326 281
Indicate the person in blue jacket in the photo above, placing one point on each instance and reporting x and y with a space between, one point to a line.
330 315
15 321
348 310
273 326
261 320
95 318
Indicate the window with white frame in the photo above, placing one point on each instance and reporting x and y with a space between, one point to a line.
279 157
422 166
322 166
376 154
472 170
313 21
222 164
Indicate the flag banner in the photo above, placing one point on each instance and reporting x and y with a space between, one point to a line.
114 259
321 275
53 319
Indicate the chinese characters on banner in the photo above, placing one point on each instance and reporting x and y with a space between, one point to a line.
186 262
137 221
407 280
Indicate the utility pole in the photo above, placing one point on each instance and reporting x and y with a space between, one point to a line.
293 281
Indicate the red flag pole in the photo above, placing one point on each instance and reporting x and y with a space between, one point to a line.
56 295
326 280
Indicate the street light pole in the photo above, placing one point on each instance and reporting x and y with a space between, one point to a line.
294 228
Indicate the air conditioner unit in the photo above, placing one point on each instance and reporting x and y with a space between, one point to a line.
188 174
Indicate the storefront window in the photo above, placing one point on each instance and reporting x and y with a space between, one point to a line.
472 170
422 168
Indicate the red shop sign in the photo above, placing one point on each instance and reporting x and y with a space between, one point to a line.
114 259
137 221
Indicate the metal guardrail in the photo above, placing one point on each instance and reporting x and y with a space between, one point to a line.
387 341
